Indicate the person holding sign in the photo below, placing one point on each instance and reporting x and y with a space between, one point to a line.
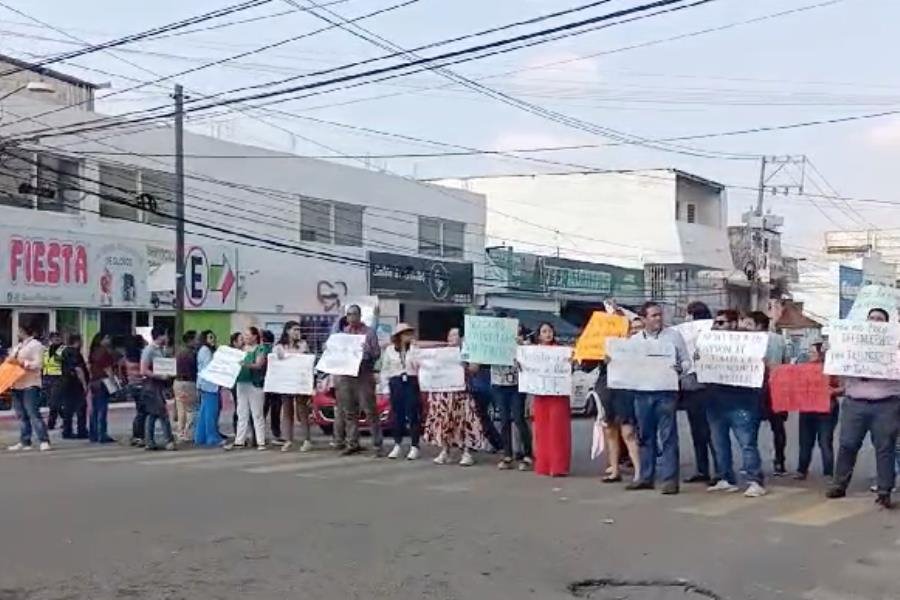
103 382
185 386
505 385
871 406
656 416
297 407
206 431
813 427
399 368
153 391
26 389
251 399
552 423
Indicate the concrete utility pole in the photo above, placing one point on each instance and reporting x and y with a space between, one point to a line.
179 213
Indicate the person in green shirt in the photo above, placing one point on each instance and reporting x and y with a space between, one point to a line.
250 397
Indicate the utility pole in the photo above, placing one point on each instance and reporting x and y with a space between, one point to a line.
179 213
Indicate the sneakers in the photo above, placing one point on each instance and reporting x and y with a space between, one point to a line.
467 460
884 501
526 464
232 446
835 492
306 446
287 446
395 452
723 486
443 458
755 490
413 453
262 447
45 446
18 447
171 447
505 465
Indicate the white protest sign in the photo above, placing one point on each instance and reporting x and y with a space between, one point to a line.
874 296
690 331
440 370
643 365
863 349
732 358
546 370
292 374
224 367
343 353
167 367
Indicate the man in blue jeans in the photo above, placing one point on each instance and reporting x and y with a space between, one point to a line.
656 416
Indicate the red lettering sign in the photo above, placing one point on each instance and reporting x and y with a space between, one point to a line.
800 388
47 263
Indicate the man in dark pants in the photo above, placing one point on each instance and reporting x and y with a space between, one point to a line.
73 389
51 374
480 388
694 399
871 406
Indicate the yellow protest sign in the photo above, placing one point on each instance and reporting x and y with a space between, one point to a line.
591 345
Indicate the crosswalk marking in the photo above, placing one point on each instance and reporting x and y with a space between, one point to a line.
243 459
348 472
302 465
725 504
410 473
826 512
113 459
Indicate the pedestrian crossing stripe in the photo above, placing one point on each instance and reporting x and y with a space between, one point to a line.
300 465
348 472
826 512
413 473
727 503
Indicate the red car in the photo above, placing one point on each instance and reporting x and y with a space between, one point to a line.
323 409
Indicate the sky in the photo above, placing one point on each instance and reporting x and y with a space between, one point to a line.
833 61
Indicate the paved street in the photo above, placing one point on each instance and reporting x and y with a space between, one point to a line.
114 522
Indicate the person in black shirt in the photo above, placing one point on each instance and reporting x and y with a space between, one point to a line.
72 389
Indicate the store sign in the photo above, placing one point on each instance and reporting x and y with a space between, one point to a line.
422 279
52 268
210 277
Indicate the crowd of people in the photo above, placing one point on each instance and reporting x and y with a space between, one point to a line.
640 427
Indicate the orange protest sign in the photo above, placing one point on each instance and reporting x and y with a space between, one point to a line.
800 388
591 345
9 374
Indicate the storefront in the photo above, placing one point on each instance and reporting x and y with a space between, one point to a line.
433 294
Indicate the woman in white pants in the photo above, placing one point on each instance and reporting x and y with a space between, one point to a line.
250 397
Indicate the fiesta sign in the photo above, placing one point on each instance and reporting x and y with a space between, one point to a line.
37 262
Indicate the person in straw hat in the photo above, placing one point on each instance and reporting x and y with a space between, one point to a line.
398 367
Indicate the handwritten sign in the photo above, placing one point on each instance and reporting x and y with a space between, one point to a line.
224 367
874 296
800 388
732 358
490 340
166 367
292 374
441 370
591 345
643 365
9 374
690 331
343 353
863 349
546 370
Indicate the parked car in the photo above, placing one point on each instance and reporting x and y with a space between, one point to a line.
583 400
324 408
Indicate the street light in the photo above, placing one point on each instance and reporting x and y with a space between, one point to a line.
38 87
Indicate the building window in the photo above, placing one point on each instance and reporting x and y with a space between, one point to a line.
327 222
438 237
118 193
160 186
16 173
43 182
691 213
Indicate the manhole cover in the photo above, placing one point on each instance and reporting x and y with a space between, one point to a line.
620 589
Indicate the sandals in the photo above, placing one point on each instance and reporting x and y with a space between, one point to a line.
611 479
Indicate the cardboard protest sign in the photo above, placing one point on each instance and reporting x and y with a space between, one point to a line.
800 388
292 374
441 370
343 354
591 344
166 367
641 364
732 358
10 373
863 349
224 367
690 331
545 370
875 296
490 340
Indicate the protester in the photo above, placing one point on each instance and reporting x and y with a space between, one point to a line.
272 404
619 421
250 396
399 368
355 392
655 410
693 400
511 402
50 377
206 432
153 391
479 384
818 427
185 386
26 391
130 373
453 420
737 410
871 406
236 341
294 407
73 387
552 423
103 383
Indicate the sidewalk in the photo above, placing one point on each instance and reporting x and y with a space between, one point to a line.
10 415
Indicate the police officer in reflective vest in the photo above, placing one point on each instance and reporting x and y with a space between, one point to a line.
51 374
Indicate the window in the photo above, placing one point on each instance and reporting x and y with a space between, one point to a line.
335 223
161 187
691 213
58 186
16 174
118 193
438 237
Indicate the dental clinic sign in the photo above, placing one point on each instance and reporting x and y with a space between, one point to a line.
58 269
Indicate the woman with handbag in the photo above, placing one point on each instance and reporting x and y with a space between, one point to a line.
103 383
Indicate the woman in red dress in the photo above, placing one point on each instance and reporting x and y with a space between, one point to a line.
552 424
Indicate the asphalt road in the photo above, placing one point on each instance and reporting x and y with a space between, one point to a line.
116 523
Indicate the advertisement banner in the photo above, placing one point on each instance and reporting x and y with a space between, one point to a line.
210 277
422 279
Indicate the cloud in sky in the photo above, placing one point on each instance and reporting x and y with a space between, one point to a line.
543 69
886 134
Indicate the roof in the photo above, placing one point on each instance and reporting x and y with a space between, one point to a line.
51 73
